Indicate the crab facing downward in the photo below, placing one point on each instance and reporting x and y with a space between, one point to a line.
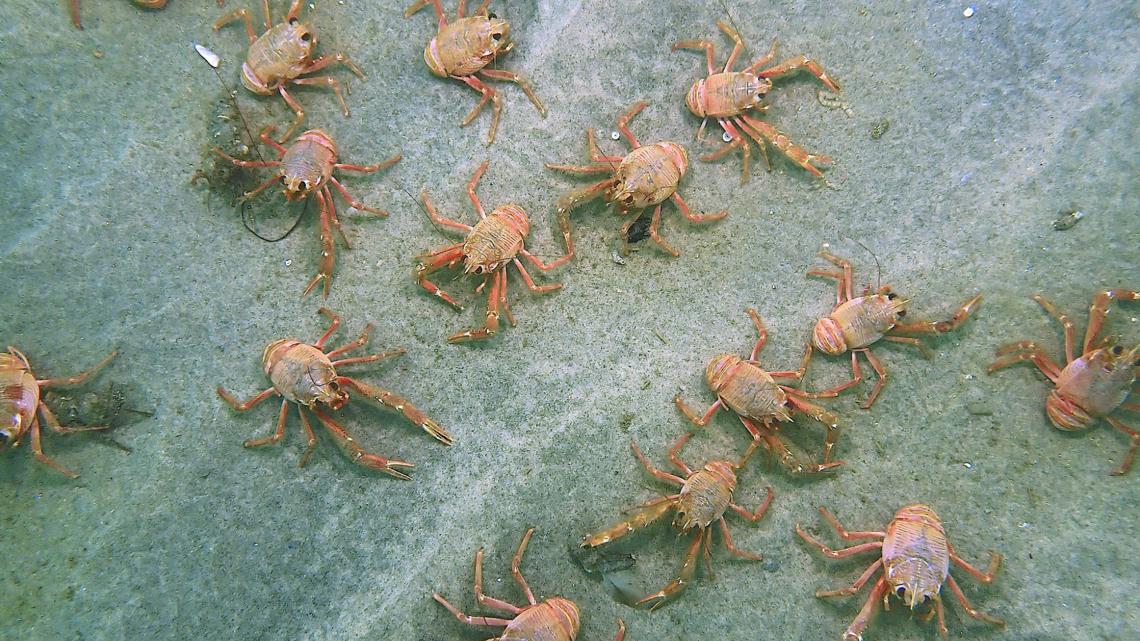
306 167
732 98
915 563
491 245
1094 385
704 496
645 177
305 374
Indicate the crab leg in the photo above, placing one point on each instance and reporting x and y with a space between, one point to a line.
986 577
595 154
762 131
483 599
970 610
328 249
939 327
420 4
249 163
666 247
297 109
538 289
1099 309
675 455
737 47
54 424
326 61
826 418
854 587
242 13
870 609
470 620
491 325
759 513
445 258
843 294
354 203
1025 351
699 421
641 516
329 82
488 93
880 371
838 554
1066 323
795 64
684 576
764 59
707 46
278 434
78 378
517 573
658 474
571 200
1133 436
440 220
738 142
401 405
243 406
623 123
697 218
500 74
357 454
785 457
38 452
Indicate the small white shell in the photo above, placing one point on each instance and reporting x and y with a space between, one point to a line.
210 57
969 12
727 137
615 135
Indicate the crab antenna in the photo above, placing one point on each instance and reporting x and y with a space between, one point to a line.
878 268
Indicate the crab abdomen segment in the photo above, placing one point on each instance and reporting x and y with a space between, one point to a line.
751 392
555 619
704 497
916 555
19 397
648 175
300 372
727 94
864 320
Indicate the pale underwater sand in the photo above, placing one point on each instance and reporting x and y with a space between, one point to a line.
997 124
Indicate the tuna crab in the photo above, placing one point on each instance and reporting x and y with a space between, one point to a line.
730 97
1093 386
306 375
554 619
856 323
645 177
493 243
464 47
305 167
146 4
281 55
704 497
762 404
20 402
916 557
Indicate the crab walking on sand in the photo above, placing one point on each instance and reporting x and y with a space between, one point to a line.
731 97
704 497
1095 385
491 244
915 562
464 47
553 619
306 167
645 177
281 55
20 402
856 323
762 404
306 375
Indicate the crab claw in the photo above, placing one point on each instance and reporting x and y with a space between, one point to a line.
387 466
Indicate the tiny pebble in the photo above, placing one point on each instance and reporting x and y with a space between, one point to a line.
615 135
617 258
288 262
968 466
769 565
969 12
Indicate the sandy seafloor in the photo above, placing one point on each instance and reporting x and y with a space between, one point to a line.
997 124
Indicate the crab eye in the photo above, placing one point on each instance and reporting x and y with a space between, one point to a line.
492 16
926 598
305 37
496 36
901 313
901 591
304 185
293 21
1117 351
334 386
284 181
892 296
